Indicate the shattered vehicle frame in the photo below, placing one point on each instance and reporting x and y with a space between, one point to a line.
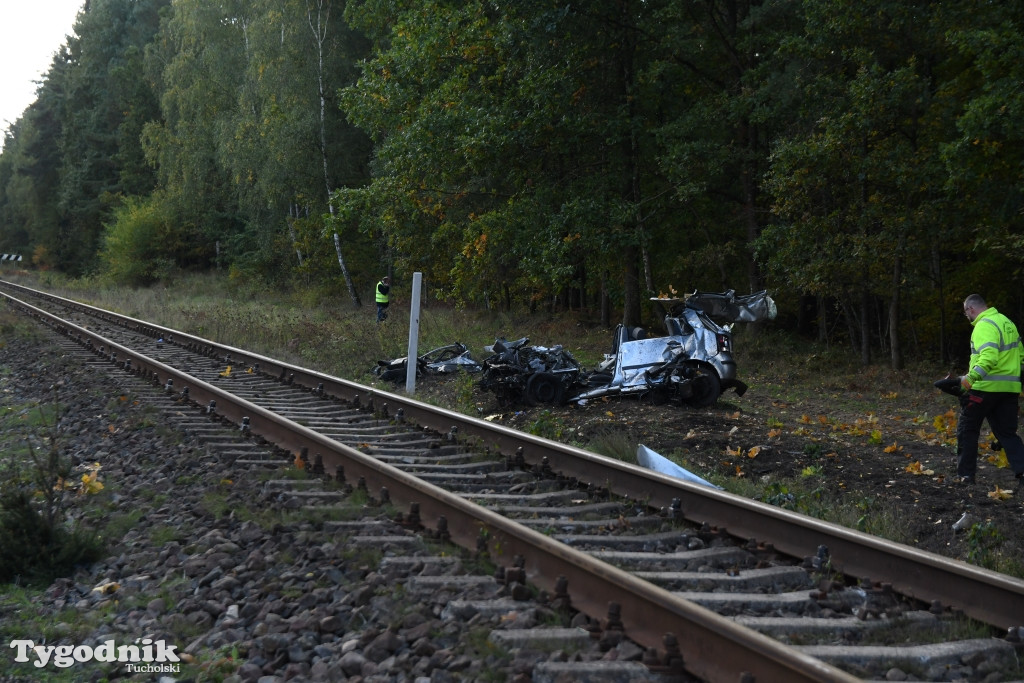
531 375
693 364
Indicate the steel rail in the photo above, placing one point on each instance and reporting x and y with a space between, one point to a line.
711 647
988 596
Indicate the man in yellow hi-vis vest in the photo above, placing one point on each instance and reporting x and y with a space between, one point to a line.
383 288
991 389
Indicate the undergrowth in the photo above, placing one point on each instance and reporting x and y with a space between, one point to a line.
39 543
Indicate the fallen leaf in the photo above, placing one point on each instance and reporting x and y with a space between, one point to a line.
916 468
999 459
1001 494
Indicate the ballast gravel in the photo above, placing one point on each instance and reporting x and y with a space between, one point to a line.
232 577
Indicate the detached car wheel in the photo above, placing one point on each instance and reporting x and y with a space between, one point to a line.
543 387
393 374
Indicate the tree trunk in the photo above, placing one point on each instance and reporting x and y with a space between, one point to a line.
629 149
293 213
631 312
606 306
319 29
865 329
936 267
895 348
822 320
344 271
850 314
648 276
749 177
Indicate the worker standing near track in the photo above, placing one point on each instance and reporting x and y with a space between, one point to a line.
383 298
991 389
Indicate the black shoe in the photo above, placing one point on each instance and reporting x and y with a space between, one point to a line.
966 481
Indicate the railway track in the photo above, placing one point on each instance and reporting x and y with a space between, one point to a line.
707 584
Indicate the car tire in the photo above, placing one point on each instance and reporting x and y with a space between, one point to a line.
393 374
706 387
544 388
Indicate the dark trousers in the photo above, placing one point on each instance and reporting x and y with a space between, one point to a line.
382 311
1000 409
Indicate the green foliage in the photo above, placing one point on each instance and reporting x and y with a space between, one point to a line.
983 539
542 155
39 543
38 550
547 425
142 242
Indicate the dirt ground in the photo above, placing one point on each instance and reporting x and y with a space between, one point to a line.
880 446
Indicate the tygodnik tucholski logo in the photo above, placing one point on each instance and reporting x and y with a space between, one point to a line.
143 656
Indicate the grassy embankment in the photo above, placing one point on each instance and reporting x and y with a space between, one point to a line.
333 337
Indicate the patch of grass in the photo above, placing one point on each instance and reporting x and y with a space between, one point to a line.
293 473
465 400
614 443
478 643
983 542
119 524
15 325
163 534
335 338
547 425
217 504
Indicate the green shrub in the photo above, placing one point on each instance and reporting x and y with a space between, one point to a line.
144 241
39 544
38 549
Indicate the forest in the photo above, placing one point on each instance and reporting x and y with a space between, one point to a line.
862 161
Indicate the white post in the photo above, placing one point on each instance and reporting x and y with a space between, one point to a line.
414 334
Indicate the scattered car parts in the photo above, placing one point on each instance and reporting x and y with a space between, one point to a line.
442 360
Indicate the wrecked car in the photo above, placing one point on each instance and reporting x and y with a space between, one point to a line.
692 364
442 360
532 375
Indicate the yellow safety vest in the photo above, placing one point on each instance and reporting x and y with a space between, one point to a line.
995 353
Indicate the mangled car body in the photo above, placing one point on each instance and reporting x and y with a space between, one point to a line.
693 363
532 375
